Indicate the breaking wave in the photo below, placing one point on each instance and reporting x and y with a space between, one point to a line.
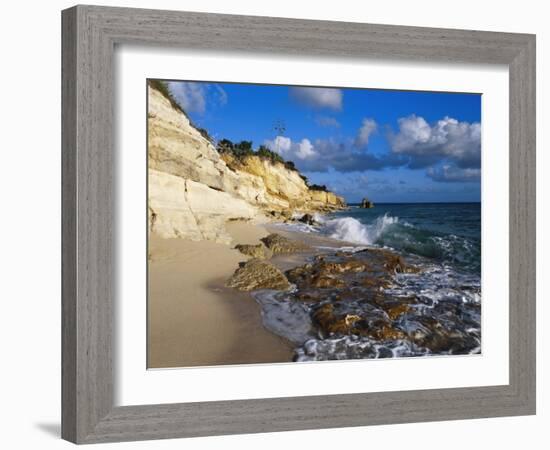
389 231
352 230
450 244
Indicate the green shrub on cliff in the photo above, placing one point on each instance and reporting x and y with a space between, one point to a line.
264 152
241 150
290 166
225 146
318 187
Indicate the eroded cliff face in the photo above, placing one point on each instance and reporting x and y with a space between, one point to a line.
279 188
180 207
193 191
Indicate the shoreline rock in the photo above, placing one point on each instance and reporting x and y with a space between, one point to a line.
279 244
258 251
257 274
308 219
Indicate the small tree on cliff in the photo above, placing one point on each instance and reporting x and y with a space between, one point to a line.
239 150
291 166
318 187
225 146
243 149
264 152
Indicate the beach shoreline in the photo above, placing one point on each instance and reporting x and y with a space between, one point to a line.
193 319
318 298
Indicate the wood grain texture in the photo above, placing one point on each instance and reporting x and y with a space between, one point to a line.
87 209
68 226
89 203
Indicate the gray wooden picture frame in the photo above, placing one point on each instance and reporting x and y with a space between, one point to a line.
90 34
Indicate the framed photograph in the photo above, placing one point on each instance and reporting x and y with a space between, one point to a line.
278 224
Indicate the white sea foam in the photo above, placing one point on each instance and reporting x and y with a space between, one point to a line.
355 347
319 218
351 230
284 318
344 248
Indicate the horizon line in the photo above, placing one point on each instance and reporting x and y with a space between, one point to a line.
413 203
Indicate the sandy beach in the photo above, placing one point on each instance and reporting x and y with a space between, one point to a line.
193 319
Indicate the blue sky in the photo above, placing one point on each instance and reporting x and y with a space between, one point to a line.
391 146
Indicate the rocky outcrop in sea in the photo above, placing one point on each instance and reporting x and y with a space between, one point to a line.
366 203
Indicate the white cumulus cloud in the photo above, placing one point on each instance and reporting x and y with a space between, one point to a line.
447 138
368 126
305 149
290 150
317 97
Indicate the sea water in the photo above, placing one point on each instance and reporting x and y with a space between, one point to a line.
443 232
442 239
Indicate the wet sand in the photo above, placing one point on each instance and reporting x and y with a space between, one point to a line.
193 319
